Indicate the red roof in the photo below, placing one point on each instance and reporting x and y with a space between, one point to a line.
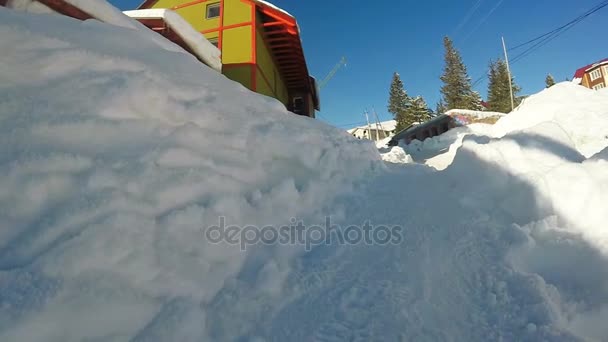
580 72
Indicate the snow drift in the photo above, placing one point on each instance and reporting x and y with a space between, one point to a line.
579 111
118 155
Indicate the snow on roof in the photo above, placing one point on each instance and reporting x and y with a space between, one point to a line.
475 113
581 71
276 8
203 49
99 10
389 125
273 7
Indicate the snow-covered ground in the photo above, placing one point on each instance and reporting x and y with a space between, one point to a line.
119 157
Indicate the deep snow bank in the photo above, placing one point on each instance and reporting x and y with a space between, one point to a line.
115 156
581 113
101 10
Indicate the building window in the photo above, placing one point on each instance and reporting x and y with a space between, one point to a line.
298 105
599 86
213 10
214 41
595 74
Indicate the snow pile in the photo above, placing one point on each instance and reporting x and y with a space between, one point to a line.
581 112
102 11
439 151
555 199
99 9
382 143
199 44
116 157
119 156
396 155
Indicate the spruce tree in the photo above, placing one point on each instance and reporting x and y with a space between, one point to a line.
474 100
399 103
456 90
419 110
440 108
499 96
549 81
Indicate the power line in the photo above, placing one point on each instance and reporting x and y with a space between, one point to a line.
547 37
478 80
576 20
483 21
468 16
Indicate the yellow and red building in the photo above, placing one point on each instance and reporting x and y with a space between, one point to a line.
260 47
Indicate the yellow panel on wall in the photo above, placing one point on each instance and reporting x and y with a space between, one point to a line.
236 45
236 12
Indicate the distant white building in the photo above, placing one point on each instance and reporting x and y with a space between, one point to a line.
375 132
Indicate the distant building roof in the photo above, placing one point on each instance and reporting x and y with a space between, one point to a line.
389 125
578 75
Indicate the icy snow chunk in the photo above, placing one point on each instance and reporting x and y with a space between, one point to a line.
397 155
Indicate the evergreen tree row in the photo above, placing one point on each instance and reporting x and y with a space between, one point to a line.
405 109
457 91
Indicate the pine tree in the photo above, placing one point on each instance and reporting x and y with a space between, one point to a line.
456 90
549 81
474 100
419 110
399 103
440 108
499 96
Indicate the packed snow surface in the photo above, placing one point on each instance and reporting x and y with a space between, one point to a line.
118 157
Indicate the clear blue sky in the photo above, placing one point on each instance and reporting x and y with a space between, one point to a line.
382 36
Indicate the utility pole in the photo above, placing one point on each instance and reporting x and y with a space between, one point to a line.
378 126
504 47
369 127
